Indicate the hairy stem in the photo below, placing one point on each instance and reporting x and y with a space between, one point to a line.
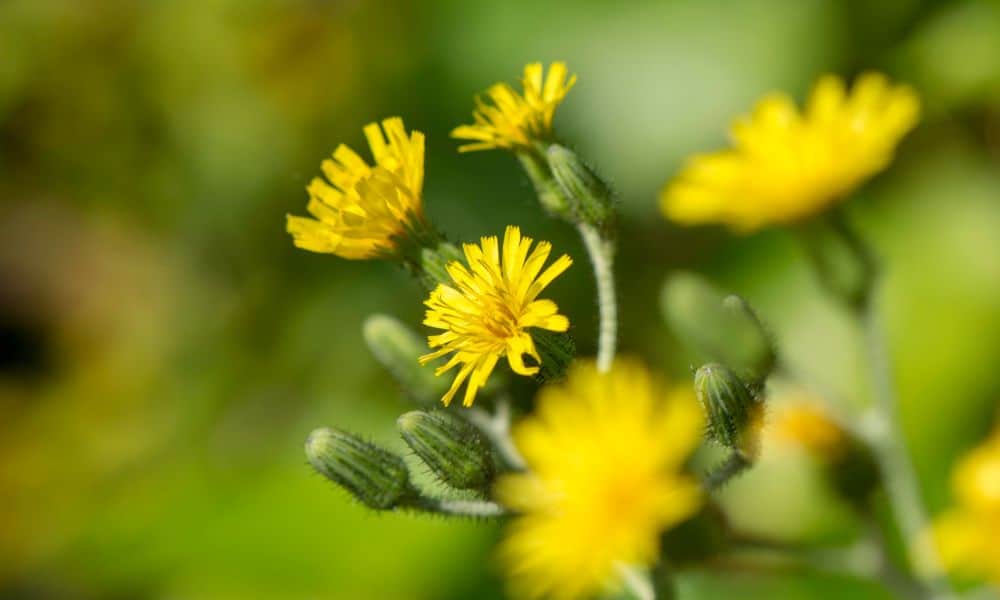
733 466
601 251
459 508
496 427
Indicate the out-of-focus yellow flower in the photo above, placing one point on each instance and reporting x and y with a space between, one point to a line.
786 165
967 534
363 210
489 307
605 454
805 425
976 479
515 121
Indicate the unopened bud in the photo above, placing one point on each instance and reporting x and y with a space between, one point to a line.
452 448
590 198
556 350
722 328
378 478
434 261
549 195
397 348
733 415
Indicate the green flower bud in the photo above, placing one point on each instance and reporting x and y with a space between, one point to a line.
557 351
722 328
588 195
397 348
733 415
433 263
549 195
452 448
378 478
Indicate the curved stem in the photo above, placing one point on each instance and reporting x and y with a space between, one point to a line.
496 427
601 251
898 473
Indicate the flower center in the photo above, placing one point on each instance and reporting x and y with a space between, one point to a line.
499 317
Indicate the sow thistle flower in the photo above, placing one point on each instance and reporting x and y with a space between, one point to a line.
605 453
967 535
489 307
362 211
514 121
786 165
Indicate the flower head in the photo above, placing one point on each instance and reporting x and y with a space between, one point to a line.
362 210
514 121
604 453
967 534
786 165
487 310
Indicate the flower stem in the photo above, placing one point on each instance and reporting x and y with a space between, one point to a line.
887 440
733 466
601 251
496 427
848 268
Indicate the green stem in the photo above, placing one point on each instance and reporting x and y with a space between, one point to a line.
848 268
733 466
601 251
887 439
496 427
864 559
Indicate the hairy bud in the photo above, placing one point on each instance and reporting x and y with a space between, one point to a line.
588 195
452 448
378 478
733 415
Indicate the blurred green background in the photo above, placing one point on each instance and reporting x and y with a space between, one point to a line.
165 350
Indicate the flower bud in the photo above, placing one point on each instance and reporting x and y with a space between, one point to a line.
378 478
397 348
452 448
433 263
549 195
722 328
588 195
733 415
556 350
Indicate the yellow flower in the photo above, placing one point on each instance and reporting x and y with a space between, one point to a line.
967 534
806 425
364 209
514 121
976 479
787 165
489 307
605 454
